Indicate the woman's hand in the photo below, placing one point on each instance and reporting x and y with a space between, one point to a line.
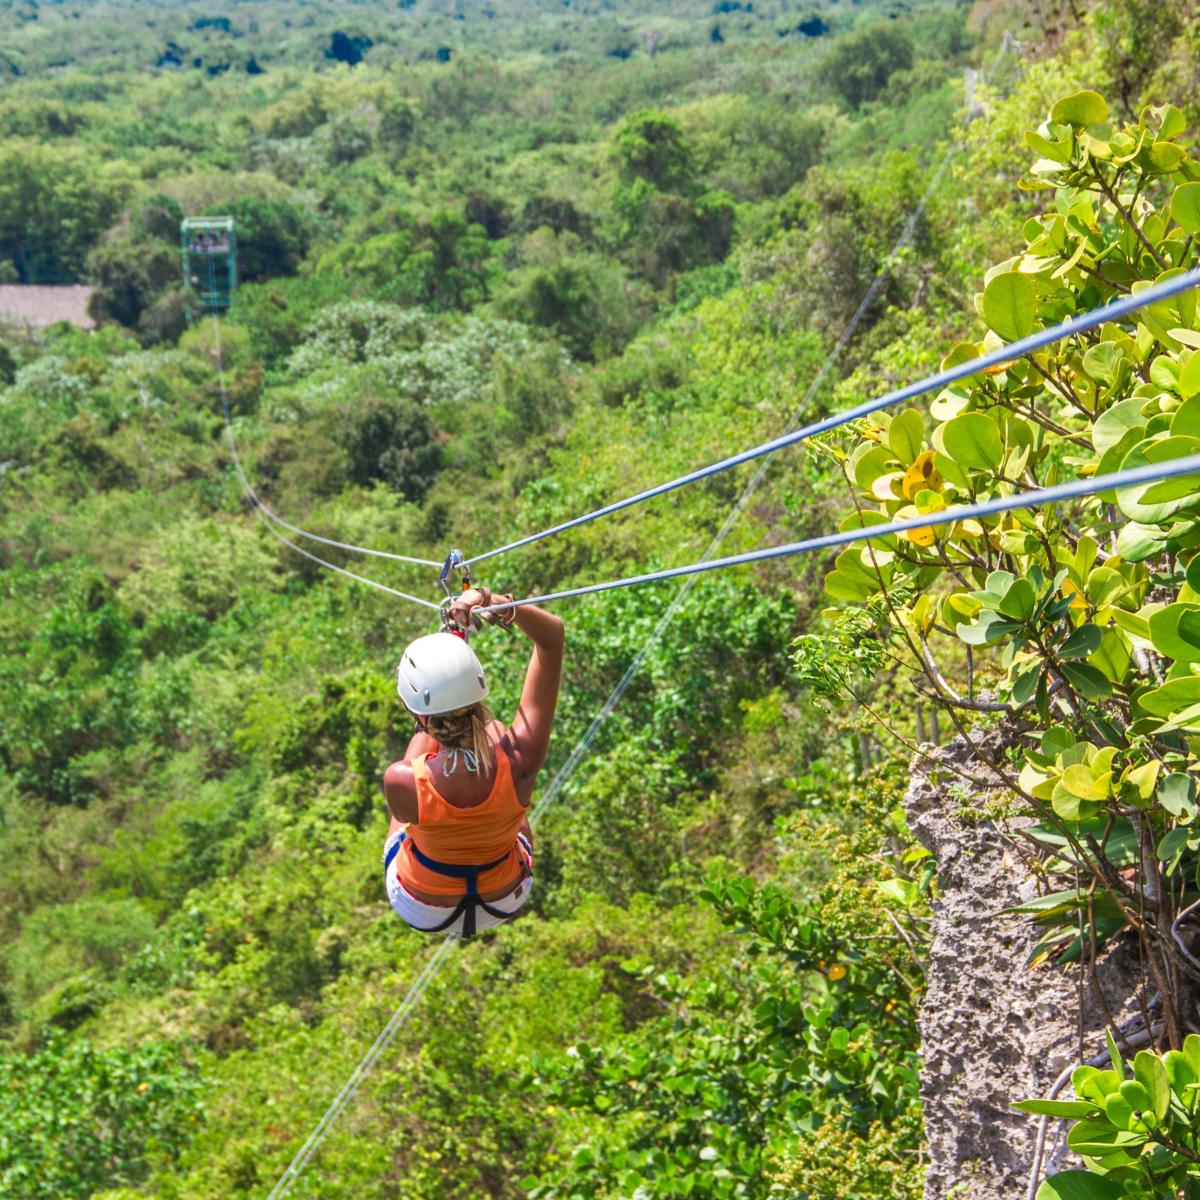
463 608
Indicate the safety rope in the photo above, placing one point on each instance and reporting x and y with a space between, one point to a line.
996 358
264 514
368 1060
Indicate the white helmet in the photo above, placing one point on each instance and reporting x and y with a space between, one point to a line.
439 673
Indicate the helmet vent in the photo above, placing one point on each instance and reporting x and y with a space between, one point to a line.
481 682
426 695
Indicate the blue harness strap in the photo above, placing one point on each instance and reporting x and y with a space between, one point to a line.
471 901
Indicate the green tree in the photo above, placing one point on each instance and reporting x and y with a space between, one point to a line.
55 201
650 146
128 274
75 1119
272 236
857 67
390 440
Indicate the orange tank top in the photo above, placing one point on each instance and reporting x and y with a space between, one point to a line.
464 836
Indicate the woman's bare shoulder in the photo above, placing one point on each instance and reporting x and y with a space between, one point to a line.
400 790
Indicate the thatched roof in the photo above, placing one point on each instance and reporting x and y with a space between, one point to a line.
35 305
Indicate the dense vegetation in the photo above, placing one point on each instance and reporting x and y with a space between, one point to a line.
497 269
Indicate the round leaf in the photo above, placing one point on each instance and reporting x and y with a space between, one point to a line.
1010 305
1185 206
1169 638
1080 109
905 435
1112 424
973 441
1079 1185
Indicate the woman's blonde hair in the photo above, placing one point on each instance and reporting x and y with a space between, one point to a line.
464 729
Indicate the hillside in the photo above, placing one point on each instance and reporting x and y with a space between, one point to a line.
501 264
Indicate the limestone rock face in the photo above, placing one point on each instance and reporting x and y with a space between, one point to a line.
992 1030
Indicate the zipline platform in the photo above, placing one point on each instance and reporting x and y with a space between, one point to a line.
36 305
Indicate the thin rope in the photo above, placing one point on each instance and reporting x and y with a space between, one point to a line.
1076 488
366 1063
1006 354
259 508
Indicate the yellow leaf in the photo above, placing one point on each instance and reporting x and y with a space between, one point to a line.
836 972
970 528
1071 589
922 536
923 474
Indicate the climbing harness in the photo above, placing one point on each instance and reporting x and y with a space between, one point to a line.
471 902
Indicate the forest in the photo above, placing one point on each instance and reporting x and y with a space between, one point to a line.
500 263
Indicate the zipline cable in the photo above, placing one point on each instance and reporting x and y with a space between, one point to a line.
260 509
360 1072
996 358
1154 473
567 770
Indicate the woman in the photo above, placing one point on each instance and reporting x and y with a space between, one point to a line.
459 853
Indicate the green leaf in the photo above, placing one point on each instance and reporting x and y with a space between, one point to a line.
1019 601
1080 109
1176 793
868 462
1189 388
1119 1108
1080 781
841 586
1094 1139
1114 1054
989 627
1180 1071
906 435
1055 1108
1171 637
1172 696
1185 206
1137 542
1171 844
1081 642
1010 305
1071 807
973 440
1113 423
1086 680
1149 1071
1134 501
1079 1185
1163 157
1059 152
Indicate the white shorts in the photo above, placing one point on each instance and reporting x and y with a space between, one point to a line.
426 916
